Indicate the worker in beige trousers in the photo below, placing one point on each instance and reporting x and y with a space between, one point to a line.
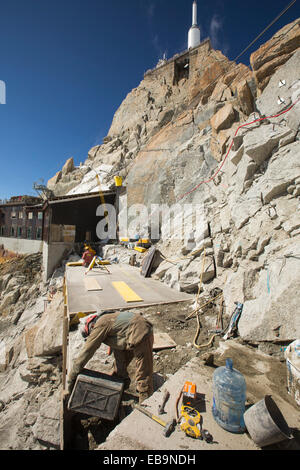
129 335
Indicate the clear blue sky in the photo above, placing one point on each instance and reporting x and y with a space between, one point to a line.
68 65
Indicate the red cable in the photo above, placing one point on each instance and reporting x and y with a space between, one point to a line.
243 125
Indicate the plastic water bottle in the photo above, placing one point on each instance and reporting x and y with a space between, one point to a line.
229 397
292 356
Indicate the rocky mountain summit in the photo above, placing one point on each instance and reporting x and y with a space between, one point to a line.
227 138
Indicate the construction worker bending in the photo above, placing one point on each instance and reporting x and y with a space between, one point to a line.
130 336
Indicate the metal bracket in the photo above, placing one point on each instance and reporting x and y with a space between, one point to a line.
280 100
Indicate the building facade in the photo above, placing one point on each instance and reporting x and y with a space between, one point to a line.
53 227
21 222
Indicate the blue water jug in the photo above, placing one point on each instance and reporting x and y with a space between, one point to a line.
229 397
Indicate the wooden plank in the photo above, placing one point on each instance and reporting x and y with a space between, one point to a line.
65 335
148 262
92 284
126 292
65 346
124 307
163 341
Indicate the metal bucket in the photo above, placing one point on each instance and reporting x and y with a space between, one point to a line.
265 423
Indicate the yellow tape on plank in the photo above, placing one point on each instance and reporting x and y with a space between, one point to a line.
126 292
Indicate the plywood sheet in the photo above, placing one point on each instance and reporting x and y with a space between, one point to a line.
148 262
152 292
91 284
126 292
163 341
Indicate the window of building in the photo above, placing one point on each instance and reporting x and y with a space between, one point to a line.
29 232
13 214
30 215
12 231
2 231
39 233
20 215
40 215
19 231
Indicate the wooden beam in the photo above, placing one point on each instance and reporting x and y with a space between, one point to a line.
91 284
65 336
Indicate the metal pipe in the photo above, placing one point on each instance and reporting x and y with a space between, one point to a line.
194 13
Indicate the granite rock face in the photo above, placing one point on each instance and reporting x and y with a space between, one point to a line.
30 359
274 53
224 138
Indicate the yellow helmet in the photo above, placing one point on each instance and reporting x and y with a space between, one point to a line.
89 248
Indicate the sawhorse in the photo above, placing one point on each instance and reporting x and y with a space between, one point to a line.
98 262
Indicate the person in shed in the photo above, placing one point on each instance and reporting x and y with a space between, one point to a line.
130 336
88 256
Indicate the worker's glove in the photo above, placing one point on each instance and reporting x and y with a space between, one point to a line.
89 325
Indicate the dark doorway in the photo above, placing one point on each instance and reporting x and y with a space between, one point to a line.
181 69
81 213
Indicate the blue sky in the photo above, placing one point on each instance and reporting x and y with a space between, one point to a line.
68 65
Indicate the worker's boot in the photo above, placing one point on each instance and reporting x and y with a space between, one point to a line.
145 389
127 383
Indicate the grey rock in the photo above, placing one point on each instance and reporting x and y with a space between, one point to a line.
172 277
291 189
190 277
296 191
272 314
47 426
13 386
259 143
282 170
9 299
267 103
244 208
4 281
288 139
48 337
292 223
235 156
68 167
